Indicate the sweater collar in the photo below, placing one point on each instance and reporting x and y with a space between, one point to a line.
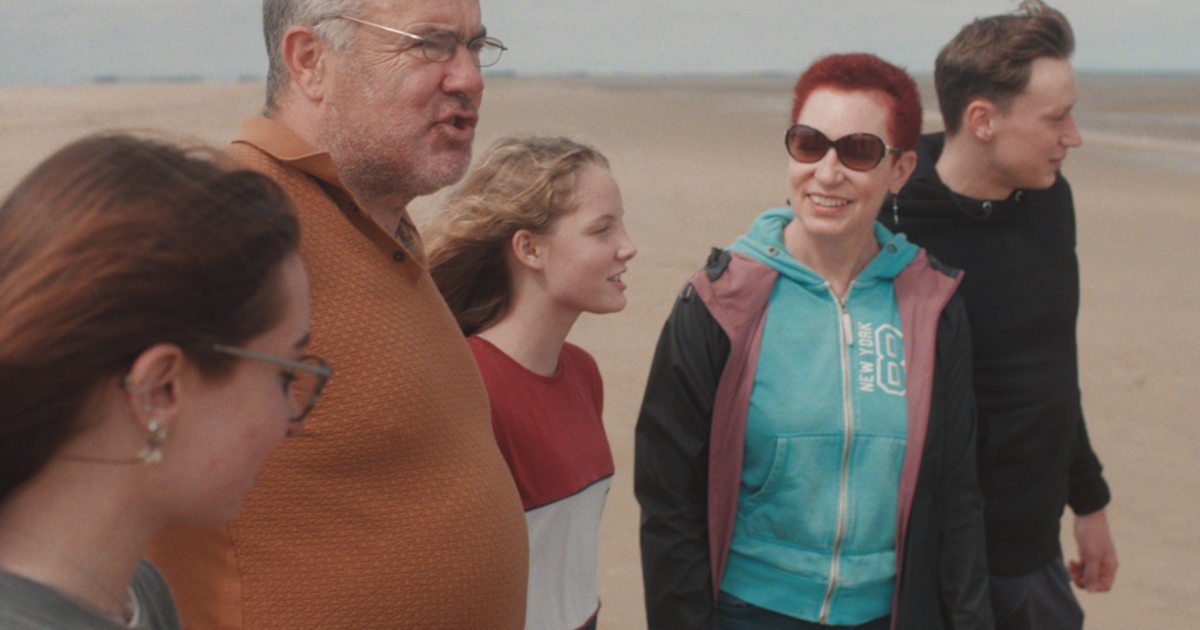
927 185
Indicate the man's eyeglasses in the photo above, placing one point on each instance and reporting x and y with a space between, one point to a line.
858 151
439 45
303 379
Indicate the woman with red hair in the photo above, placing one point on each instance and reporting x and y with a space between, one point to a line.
153 311
805 452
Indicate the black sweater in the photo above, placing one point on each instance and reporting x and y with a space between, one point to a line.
1022 296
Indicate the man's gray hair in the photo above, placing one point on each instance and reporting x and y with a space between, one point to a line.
279 15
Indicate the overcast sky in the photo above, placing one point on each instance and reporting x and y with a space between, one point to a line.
55 41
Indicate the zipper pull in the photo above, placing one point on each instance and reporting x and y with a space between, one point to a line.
847 326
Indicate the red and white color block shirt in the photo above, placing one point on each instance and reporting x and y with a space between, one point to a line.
550 432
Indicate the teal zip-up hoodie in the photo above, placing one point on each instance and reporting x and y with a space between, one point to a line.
814 536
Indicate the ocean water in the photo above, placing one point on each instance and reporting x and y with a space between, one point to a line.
1171 125
1152 148
1169 141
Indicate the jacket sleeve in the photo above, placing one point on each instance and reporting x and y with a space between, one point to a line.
966 601
1088 492
670 476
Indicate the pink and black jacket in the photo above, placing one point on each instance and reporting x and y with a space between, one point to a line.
690 441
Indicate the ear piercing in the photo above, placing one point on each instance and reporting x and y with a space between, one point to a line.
128 386
152 453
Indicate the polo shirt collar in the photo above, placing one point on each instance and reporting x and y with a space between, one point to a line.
282 144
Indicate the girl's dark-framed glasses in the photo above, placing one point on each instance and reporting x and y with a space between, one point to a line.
303 378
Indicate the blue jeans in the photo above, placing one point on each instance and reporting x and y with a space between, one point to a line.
735 614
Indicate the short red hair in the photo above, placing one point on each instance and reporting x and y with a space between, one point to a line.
862 72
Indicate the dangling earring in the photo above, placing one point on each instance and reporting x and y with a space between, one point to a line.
896 209
152 453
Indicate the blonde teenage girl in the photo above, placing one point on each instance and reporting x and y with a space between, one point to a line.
531 239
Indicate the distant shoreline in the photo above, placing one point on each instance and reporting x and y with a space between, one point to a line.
1192 75
1154 115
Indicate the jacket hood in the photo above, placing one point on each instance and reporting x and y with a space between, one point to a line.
764 243
926 199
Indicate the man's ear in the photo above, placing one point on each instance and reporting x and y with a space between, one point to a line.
980 118
305 55
527 249
154 384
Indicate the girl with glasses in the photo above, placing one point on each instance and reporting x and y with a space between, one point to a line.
805 452
531 239
152 313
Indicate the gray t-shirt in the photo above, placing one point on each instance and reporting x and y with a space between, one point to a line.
28 605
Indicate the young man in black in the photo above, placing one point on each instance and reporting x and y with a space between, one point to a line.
987 197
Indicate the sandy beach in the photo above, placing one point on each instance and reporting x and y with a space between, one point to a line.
698 159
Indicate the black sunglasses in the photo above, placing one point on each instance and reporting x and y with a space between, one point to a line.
858 151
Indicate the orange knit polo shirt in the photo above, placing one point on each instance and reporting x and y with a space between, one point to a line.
394 508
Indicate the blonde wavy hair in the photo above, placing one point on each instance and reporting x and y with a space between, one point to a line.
521 183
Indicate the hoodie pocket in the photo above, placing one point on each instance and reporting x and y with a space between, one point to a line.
798 502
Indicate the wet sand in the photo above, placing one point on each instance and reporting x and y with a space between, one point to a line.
698 159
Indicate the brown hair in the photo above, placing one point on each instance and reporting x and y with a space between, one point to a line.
861 72
112 245
992 58
520 184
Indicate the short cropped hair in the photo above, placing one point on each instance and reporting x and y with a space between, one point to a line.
279 15
115 244
993 57
521 183
861 72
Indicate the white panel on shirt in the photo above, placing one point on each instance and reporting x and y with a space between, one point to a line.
562 560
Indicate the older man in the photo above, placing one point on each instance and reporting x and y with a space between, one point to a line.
987 197
395 508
